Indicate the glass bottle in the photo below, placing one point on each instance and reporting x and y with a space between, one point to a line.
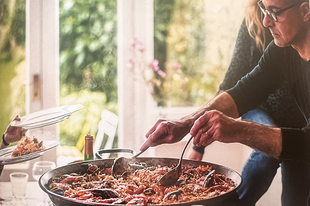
88 147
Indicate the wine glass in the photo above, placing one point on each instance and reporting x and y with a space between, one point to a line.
40 167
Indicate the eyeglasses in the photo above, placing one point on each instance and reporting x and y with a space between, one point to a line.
273 15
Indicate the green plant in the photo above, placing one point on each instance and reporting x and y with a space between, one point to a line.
88 46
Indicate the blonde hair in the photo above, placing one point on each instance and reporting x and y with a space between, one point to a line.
253 19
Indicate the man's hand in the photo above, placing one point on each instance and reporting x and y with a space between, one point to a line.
165 131
214 126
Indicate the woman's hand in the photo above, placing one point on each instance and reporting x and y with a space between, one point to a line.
13 134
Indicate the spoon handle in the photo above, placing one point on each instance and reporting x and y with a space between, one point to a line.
139 153
190 139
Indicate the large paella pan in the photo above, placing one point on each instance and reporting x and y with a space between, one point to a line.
81 168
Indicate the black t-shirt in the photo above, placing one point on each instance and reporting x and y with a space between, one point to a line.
277 66
245 57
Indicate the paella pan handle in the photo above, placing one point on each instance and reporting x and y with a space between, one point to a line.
104 151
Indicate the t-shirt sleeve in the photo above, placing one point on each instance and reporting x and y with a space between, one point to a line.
255 87
296 144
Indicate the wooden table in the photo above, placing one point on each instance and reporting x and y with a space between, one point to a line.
34 195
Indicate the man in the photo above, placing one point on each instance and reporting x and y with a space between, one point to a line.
289 23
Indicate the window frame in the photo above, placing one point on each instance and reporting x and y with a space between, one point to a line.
42 61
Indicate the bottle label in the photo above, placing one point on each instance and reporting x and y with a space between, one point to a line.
88 147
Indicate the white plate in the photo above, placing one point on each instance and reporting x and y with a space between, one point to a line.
46 123
6 159
51 116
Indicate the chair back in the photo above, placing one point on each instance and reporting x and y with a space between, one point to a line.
107 125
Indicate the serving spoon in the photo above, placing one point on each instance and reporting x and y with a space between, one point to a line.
121 164
173 175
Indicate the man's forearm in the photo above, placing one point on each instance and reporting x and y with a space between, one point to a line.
266 139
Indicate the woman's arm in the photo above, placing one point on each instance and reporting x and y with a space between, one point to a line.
12 134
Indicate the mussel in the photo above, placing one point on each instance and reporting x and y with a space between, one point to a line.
149 191
92 169
58 191
106 184
120 201
176 194
105 193
89 168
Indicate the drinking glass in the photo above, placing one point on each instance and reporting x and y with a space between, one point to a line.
19 187
40 167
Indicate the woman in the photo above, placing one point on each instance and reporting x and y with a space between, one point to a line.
260 169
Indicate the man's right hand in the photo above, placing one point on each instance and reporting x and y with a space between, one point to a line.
165 131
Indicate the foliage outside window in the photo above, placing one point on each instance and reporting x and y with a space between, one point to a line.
88 70
12 60
199 36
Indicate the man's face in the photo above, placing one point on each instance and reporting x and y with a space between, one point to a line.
288 29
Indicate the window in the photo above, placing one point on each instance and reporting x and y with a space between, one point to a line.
195 37
38 51
191 41
12 61
88 68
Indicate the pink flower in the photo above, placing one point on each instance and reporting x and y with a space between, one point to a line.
131 63
177 65
179 71
161 73
136 43
141 47
185 80
133 42
154 65
154 62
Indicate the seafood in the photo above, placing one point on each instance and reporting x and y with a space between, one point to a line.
140 185
28 145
